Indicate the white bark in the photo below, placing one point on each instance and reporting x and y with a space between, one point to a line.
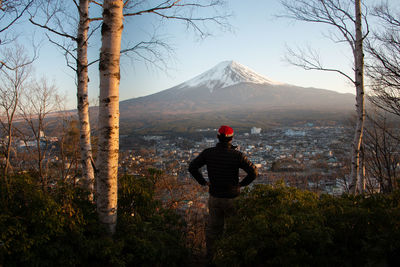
82 95
356 177
107 158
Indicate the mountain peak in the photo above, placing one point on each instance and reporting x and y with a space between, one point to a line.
224 74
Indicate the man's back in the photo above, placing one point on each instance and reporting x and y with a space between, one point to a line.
223 163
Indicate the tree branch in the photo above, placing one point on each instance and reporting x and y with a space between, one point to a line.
96 3
67 53
18 16
309 60
161 6
52 30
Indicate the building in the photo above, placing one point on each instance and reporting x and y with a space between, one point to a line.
255 130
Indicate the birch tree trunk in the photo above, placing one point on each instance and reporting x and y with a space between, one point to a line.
107 158
82 95
356 178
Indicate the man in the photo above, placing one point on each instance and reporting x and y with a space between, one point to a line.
223 162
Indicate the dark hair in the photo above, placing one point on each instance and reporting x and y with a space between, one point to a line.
223 139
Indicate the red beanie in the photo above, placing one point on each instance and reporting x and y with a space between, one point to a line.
226 131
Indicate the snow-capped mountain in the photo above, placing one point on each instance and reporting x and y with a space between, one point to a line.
232 87
226 73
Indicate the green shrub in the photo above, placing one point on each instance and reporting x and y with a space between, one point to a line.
151 235
61 228
282 226
42 229
274 226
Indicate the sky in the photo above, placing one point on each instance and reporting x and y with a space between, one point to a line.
258 39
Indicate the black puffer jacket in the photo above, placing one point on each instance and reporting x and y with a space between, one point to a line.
223 163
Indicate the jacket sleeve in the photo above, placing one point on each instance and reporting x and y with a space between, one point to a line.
194 167
250 169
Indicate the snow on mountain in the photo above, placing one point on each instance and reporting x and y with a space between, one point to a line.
226 73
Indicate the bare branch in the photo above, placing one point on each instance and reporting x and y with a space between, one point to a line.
93 31
18 16
310 60
95 19
76 4
52 30
163 6
385 14
329 12
384 66
67 52
13 83
192 21
13 67
97 3
93 62
183 11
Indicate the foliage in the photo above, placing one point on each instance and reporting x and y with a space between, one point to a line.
274 226
43 229
61 227
151 235
281 226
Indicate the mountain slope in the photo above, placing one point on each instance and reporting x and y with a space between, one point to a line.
230 86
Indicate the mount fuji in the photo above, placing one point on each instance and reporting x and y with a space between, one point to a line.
231 88
226 73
